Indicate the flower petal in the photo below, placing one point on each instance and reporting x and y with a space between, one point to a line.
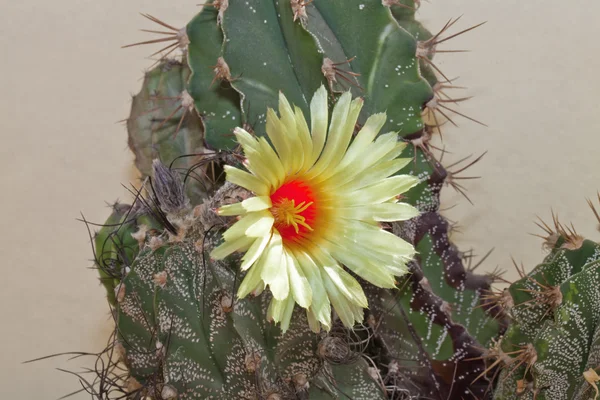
255 224
319 116
391 261
320 305
246 180
379 240
244 138
372 272
343 122
363 139
352 179
299 284
343 280
313 322
288 120
249 283
229 247
305 139
281 311
381 191
255 252
274 269
262 227
278 134
271 160
257 203
381 212
343 307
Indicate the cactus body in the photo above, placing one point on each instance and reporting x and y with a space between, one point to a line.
184 333
552 340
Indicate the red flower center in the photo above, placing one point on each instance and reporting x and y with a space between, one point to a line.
294 209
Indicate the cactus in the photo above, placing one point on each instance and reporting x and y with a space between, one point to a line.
550 350
183 334
180 330
163 125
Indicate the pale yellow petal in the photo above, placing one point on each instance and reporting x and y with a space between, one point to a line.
278 133
319 116
363 267
244 138
344 281
272 161
381 212
246 180
372 156
320 306
255 163
274 269
231 210
364 137
335 136
286 318
299 284
378 239
338 139
280 311
239 228
256 203
260 287
313 322
276 310
379 192
249 283
305 139
350 179
342 306
229 247
347 284
396 151
254 252
289 121
390 260
262 227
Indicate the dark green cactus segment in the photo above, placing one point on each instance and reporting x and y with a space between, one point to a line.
136 317
558 267
199 365
115 248
216 101
420 338
385 58
346 382
281 56
426 195
459 288
183 329
163 125
406 19
556 319
434 326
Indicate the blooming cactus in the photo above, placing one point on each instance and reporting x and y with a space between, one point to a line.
319 198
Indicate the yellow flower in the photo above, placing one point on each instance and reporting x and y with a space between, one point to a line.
320 195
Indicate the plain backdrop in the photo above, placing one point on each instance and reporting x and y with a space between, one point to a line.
64 82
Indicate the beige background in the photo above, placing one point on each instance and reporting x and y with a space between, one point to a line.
64 82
